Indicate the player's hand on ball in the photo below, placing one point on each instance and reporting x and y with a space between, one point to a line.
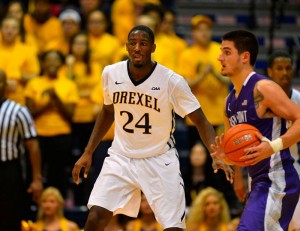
257 153
218 148
85 162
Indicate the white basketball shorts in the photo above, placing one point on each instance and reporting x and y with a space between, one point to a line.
119 185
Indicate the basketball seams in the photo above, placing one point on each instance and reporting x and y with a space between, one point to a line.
234 134
246 145
238 138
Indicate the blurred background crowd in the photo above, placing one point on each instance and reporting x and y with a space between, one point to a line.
53 53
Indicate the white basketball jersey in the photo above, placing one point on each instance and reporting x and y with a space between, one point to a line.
144 110
294 148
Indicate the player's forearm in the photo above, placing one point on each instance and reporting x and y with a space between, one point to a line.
104 121
205 129
207 134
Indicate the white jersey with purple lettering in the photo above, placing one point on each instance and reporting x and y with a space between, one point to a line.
295 96
144 110
295 222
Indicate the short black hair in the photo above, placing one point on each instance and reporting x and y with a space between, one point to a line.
45 54
244 41
145 29
150 7
277 54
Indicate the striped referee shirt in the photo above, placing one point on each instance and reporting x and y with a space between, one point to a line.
16 125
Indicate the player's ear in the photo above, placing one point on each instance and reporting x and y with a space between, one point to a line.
270 72
246 57
126 46
153 48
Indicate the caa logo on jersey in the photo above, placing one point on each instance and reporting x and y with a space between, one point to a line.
155 88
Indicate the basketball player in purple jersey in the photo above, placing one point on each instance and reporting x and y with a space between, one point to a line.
255 100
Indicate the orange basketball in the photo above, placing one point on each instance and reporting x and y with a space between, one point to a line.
236 139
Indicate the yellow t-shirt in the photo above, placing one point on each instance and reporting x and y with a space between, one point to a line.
121 54
123 16
18 60
179 43
103 48
39 225
165 53
210 92
30 41
223 227
60 44
85 108
97 97
49 31
51 122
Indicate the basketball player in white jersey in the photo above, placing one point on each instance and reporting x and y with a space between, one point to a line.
141 96
280 69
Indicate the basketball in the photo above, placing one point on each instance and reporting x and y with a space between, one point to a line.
236 139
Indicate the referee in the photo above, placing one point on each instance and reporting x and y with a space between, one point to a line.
17 133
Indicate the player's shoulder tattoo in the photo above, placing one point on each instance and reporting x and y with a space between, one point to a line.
258 97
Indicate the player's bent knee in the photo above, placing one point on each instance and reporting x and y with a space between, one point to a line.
98 218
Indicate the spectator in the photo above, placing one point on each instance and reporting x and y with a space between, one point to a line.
199 65
70 20
51 99
209 211
167 27
87 6
146 219
50 213
199 175
124 13
87 75
17 60
43 25
165 52
103 45
97 97
17 132
15 9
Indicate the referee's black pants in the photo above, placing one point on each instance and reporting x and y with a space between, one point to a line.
11 195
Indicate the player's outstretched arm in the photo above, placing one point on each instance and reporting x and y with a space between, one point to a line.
103 123
207 134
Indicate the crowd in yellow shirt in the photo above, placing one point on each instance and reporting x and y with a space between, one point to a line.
86 43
